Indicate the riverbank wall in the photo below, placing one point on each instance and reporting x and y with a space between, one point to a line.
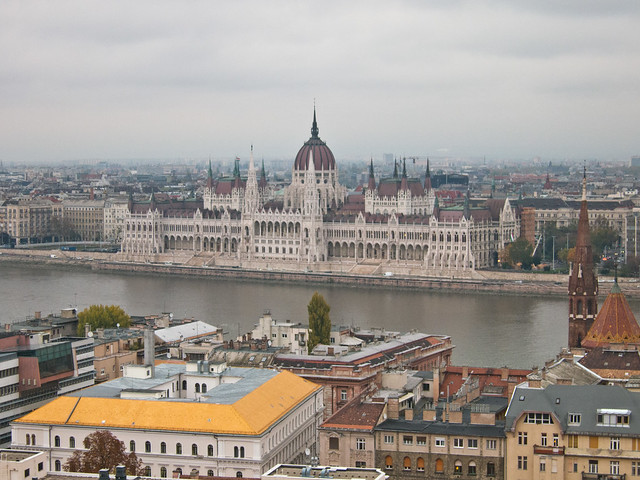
485 281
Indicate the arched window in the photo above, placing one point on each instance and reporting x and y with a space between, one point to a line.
439 466
388 462
163 472
147 446
204 388
72 442
56 441
178 449
178 471
472 468
241 452
197 388
28 439
236 451
209 473
147 471
406 464
210 452
238 474
184 384
58 466
132 446
457 467
194 449
163 447
33 439
420 464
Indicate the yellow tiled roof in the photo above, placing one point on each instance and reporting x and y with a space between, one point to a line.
251 415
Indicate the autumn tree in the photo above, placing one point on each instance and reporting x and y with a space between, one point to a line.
103 450
520 253
102 316
319 322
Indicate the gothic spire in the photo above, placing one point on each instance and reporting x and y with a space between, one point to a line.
314 125
427 178
395 168
372 178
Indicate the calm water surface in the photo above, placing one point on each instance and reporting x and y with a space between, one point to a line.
487 329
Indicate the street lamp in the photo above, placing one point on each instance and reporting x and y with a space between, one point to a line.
553 253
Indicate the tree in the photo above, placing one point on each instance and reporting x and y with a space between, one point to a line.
103 450
520 253
319 321
102 316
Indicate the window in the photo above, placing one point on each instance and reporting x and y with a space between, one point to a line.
472 443
491 468
635 468
343 395
458 443
614 443
204 388
491 444
178 449
147 446
184 384
543 464
28 439
163 447
388 439
41 466
56 441
238 474
194 449
147 471
609 418
471 468
439 466
556 439
522 438
197 388
574 419
33 439
388 463
210 452
522 462
538 418
407 440
72 442
334 443
360 464
132 446
406 464
421 440
210 473
593 466
457 467
572 441
27 472
57 466
440 442
614 467
360 444
543 440
163 472
420 464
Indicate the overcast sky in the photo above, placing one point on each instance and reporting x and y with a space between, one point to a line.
193 79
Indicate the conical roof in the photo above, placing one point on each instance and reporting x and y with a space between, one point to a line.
615 323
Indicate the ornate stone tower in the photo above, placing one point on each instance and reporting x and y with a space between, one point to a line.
583 284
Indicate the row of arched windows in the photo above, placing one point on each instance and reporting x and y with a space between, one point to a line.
56 441
458 466
178 450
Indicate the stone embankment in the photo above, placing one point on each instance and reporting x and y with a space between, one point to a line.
493 282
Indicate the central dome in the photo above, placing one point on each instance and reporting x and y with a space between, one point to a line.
322 157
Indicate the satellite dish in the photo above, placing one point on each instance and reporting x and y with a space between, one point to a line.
307 452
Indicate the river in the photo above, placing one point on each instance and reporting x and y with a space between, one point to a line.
488 330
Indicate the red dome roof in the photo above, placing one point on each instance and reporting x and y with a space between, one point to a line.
323 158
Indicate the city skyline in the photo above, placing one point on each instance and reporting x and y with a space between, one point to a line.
505 80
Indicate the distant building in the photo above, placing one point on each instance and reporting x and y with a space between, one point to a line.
21 464
86 218
302 472
32 220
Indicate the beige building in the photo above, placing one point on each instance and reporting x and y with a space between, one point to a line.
86 217
573 432
21 464
112 355
30 220
115 211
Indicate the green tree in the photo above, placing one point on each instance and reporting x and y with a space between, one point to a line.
103 450
102 316
601 237
319 322
520 252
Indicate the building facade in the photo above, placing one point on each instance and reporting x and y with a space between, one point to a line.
395 225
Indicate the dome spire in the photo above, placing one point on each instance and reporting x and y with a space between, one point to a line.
314 125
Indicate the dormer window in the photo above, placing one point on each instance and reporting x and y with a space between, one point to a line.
575 419
613 417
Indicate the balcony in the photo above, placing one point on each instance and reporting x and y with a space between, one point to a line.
546 450
603 476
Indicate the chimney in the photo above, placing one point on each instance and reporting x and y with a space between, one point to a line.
87 329
429 415
465 372
504 373
103 474
455 416
149 349
38 315
408 414
393 408
121 472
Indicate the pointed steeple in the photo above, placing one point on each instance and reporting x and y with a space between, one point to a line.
314 126
583 284
372 178
403 183
263 177
427 178
395 168
152 201
210 176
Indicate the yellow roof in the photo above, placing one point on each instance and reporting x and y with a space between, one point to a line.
251 415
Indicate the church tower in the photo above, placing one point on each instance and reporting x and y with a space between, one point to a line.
583 284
